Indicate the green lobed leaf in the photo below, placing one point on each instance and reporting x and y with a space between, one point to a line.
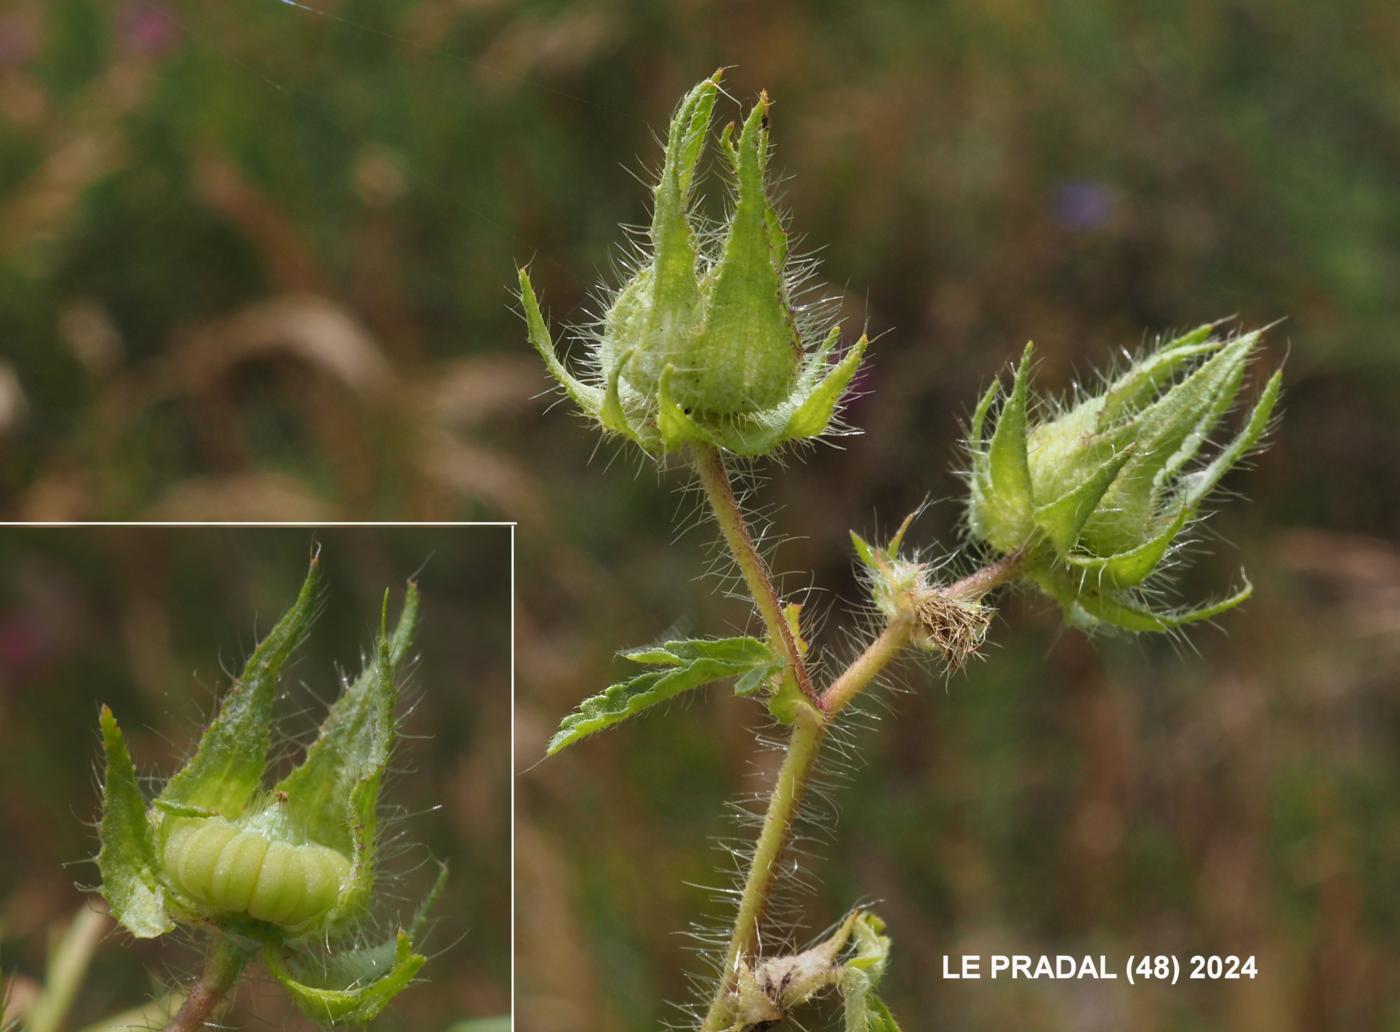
226 770
126 859
685 665
742 650
353 742
758 677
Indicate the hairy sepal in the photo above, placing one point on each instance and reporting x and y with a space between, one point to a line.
1094 608
585 396
1003 507
227 768
127 859
703 344
334 793
353 987
1132 567
1111 485
356 1005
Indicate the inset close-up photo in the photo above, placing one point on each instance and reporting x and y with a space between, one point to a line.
256 777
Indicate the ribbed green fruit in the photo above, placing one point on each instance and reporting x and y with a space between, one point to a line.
233 870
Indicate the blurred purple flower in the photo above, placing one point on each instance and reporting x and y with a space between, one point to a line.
147 28
17 41
1085 204
23 647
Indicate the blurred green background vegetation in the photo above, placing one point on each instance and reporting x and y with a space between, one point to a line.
255 261
155 622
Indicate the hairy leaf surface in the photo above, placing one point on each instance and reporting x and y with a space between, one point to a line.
684 665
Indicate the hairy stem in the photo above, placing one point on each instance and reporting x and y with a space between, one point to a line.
993 575
807 732
714 478
221 970
879 654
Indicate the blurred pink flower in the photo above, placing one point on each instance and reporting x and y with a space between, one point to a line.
147 28
18 41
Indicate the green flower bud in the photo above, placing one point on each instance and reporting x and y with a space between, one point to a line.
704 342
1096 497
285 867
